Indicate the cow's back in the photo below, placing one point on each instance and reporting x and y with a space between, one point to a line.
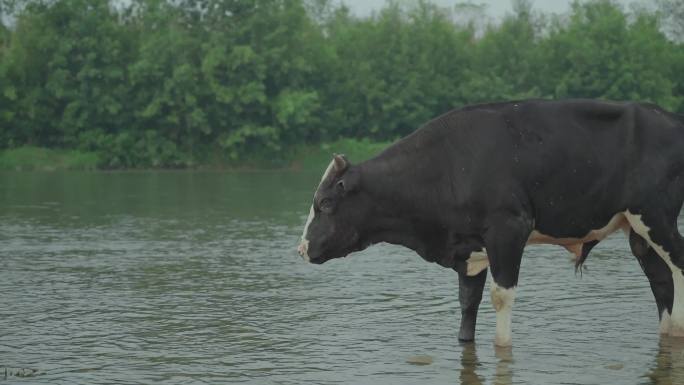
576 161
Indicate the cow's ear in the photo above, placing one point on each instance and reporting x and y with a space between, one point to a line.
340 163
341 186
349 182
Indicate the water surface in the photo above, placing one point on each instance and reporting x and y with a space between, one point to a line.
192 277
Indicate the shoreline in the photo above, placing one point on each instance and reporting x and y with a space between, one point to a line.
303 157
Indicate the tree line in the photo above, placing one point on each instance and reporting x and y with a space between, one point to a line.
169 83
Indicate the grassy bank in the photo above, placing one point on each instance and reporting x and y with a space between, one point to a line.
317 157
303 157
44 159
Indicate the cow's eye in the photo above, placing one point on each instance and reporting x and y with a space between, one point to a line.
326 204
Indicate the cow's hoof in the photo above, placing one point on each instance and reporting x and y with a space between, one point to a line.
676 331
665 324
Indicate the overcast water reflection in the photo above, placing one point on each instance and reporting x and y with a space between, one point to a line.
192 277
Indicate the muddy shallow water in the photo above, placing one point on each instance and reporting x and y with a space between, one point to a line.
190 277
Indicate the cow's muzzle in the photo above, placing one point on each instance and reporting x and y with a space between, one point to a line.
303 250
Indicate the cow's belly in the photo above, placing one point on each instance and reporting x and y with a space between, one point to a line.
479 261
617 222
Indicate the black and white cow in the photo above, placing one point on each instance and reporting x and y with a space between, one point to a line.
471 188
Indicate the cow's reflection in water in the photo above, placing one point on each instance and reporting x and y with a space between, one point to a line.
503 374
470 365
668 368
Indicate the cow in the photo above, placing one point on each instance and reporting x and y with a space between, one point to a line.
471 188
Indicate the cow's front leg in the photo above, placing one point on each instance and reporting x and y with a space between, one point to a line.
505 240
470 290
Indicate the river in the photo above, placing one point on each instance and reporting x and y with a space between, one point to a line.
193 277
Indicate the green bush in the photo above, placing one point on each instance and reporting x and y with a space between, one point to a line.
161 83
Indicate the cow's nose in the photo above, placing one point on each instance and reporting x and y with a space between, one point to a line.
302 249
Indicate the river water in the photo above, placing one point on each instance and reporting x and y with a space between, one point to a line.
192 277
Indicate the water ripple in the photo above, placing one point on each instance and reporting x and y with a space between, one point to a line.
214 293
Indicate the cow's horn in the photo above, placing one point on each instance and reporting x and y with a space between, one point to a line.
340 163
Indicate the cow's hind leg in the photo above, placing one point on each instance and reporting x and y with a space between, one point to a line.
470 290
659 277
659 229
505 240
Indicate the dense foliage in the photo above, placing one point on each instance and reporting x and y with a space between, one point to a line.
176 82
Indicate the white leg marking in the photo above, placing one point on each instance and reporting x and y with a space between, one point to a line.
477 262
304 242
665 323
502 299
676 319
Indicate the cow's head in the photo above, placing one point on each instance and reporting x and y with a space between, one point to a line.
339 210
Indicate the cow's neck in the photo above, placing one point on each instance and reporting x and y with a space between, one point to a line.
405 203
398 231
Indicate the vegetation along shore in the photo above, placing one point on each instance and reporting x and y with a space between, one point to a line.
93 84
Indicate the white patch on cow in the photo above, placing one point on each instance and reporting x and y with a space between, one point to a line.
303 248
665 323
327 172
476 262
304 242
676 324
502 299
